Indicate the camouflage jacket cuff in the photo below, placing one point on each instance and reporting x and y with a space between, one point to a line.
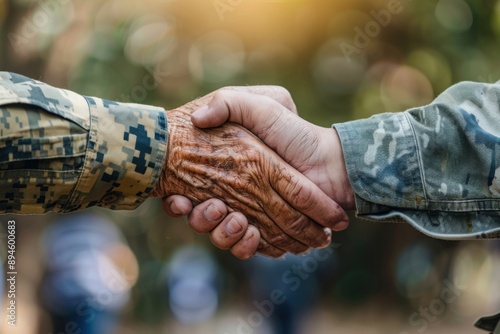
382 163
435 167
126 153
64 152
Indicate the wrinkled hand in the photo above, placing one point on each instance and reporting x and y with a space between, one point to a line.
231 164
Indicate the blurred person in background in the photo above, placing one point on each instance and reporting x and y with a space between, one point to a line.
88 275
284 293
193 285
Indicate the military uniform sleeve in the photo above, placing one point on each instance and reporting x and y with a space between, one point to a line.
436 167
60 151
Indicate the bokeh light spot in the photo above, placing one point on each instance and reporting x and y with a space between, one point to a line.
434 66
454 15
217 56
3 10
495 19
405 87
271 58
151 39
412 270
335 73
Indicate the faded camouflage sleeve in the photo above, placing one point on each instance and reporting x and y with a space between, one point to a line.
60 151
435 167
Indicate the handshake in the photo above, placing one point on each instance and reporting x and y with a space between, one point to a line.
253 174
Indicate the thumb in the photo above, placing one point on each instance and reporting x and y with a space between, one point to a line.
209 116
260 114
275 93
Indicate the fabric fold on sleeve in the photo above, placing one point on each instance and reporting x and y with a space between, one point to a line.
60 151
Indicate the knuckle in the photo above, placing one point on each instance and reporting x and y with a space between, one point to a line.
299 224
283 92
222 94
304 226
280 240
302 196
305 196
286 97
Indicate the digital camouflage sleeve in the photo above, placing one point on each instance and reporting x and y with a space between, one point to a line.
60 151
436 167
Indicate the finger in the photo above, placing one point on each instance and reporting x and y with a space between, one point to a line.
177 206
269 250
294 227
341 226
257 114
271 214
229 231
275 239
247 246
233 106
207 215
306 197
277 93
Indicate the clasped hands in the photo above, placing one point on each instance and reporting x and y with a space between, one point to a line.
253 174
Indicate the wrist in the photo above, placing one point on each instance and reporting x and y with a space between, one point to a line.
342 189
179 133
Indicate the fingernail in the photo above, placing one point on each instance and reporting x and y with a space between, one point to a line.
248 236
200 112
341 226
233 227
212 213
174 208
